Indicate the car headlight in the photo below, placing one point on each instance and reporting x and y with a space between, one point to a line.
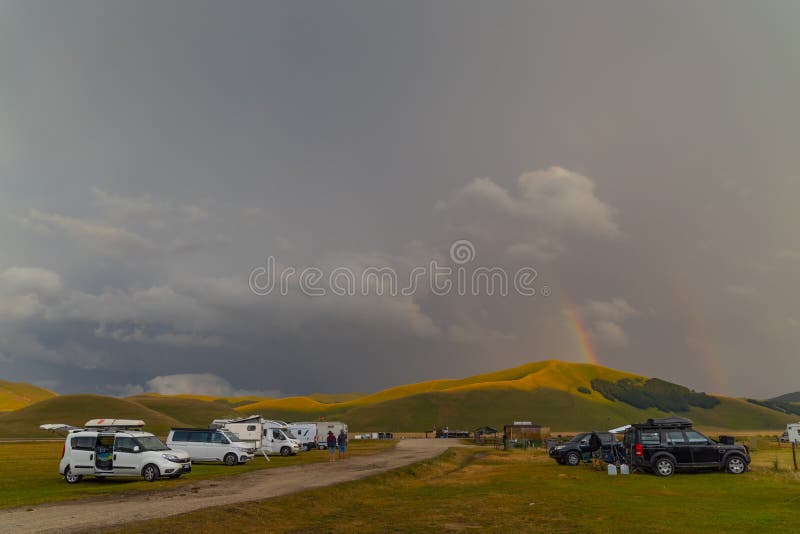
172 458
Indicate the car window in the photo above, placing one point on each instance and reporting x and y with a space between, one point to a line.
199 437
83 443
676 437
277 434
216 437
251 428
651 437
696 437
180 435
124 444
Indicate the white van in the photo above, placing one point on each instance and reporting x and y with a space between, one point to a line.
278 439
116 448
249 429
211 445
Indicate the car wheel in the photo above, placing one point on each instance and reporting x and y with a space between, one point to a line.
735 465
70 477
664 467
573 458
150 473
286 451
231 459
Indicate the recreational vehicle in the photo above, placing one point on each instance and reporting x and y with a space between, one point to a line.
305 433
323 427
116 448
210 445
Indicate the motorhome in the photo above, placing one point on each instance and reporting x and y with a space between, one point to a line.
793 432
323 427
267 436
278 439
116 448
306 434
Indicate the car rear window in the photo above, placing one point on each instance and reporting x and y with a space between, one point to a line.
651 437
199 437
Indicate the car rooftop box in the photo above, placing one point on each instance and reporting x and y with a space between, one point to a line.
681 422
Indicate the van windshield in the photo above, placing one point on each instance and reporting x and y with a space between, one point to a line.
151 443
289 434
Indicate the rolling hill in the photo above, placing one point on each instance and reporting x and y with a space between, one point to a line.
552 393
16 395
76 410
564 396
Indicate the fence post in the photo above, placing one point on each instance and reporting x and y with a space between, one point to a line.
794 454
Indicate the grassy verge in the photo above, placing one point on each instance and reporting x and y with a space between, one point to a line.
29 473
520 491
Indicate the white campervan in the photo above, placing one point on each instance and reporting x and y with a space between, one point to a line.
116 448
278 439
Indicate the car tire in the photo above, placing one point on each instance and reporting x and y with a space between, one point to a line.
286 451
70 477
151 473
231 459
664 466
735 465
573 458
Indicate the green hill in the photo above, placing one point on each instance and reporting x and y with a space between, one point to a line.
793 398
563 396
16 395
189 411
76 410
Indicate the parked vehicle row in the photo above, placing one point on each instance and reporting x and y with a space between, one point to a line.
659 446
120 447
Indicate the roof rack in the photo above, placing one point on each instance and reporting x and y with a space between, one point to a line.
114 424
681 422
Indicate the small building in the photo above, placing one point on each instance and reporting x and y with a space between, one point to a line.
484 432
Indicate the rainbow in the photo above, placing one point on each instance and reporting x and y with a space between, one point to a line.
573 314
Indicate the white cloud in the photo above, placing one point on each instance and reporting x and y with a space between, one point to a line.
605 318
121 207
197 384
610 334
97 233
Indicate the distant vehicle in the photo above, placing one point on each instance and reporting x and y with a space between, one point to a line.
793 433
664 446
117 448
211 445
579 448
784 438
305 433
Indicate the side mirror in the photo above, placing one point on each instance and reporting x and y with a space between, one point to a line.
136 448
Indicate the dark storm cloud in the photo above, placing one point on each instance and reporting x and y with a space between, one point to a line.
640 157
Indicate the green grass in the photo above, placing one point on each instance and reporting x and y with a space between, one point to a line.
519 491
29 473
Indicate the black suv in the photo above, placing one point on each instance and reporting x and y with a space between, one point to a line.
663 446
580 448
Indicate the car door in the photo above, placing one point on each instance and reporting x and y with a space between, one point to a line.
104 454
678 446
704 450
199 443
126 456
82 451
217 445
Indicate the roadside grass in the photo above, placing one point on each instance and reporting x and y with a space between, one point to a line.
488 489
29 473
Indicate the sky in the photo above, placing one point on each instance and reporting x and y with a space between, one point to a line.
637 161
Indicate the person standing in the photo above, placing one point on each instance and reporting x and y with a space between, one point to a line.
331 442
342 442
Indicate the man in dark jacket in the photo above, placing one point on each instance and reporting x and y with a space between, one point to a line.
331 443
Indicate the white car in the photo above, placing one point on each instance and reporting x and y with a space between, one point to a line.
117 448
211 445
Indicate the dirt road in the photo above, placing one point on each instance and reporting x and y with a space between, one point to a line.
252 486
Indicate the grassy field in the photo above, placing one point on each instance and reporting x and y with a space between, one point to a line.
487 489
29 473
